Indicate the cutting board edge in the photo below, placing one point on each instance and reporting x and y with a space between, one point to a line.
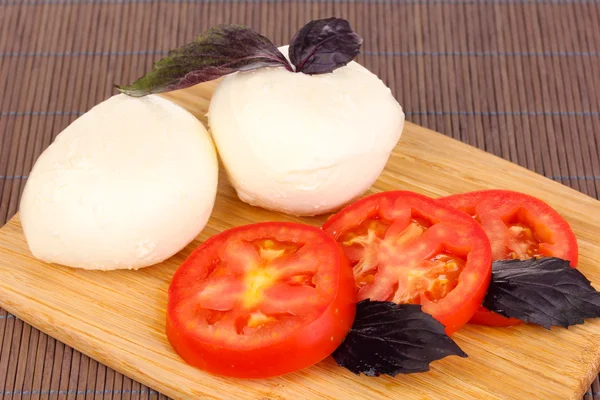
145 379
516 167
173 393
63 336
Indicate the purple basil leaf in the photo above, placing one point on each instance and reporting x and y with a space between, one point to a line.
220 51
389 338
324 45
545 291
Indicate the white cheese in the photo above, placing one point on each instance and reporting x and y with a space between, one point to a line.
126 185
303 144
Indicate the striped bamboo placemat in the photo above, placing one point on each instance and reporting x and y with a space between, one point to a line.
518 78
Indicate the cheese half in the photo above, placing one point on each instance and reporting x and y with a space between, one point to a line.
126 185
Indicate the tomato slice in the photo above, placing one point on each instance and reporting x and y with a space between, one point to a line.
407 248
519 226
261 300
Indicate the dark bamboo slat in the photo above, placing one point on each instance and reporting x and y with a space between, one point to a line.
516 78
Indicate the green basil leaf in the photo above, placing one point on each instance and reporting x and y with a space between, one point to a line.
220 51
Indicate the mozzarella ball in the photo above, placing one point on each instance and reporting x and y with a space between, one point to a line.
304 144
126 185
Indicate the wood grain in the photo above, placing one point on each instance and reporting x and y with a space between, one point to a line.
118 317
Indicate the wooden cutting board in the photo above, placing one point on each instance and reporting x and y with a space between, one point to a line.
118 317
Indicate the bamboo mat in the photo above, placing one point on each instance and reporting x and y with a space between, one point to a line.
518 78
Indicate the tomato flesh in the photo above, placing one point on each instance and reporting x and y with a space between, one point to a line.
261 300
519 226
406 248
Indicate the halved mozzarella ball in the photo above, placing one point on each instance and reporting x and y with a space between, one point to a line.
126 185
304 144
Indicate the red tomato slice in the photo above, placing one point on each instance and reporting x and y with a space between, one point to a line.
519 226
407 248
261 300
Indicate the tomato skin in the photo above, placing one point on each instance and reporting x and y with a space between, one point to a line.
451 231
308 346
303 347
483 316
493 209
490 205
